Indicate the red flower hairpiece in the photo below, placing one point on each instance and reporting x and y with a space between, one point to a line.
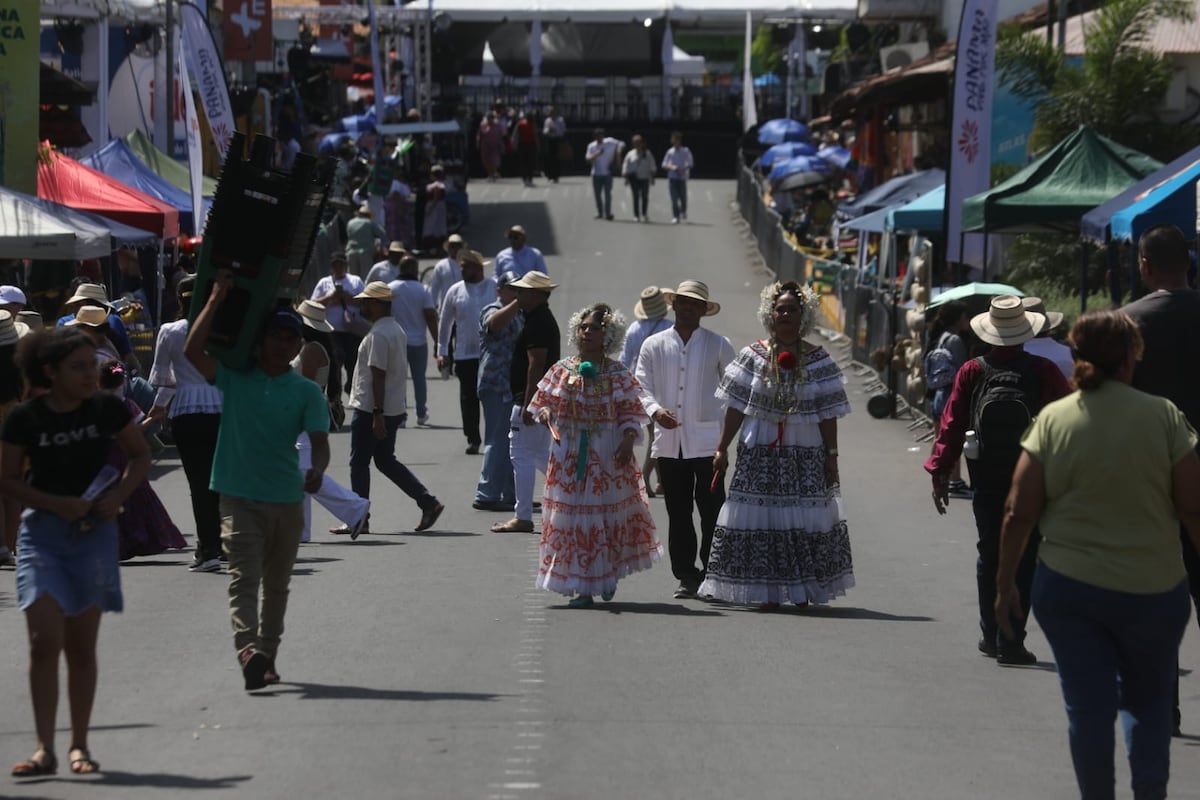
786 360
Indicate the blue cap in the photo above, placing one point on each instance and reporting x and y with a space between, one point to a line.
287 320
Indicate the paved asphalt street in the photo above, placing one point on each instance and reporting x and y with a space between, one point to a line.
427 666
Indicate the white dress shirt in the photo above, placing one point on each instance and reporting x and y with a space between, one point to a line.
683 378
680 158
602 155
446 273
178 381
639 330
462 307
384 271
338 316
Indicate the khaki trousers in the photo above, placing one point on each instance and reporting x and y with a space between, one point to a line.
261 540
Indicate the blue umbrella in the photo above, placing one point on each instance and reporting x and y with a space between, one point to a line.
782 152
778 131
800 165
769 79
837 156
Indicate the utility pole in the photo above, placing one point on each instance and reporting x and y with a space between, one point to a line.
169 93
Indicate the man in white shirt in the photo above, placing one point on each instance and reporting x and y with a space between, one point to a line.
604 156
554 134
1044 344
412 306
446 272
679 370
388 270
518 258
461 309
678 164
377 399
336 292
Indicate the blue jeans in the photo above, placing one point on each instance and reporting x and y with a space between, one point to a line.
364 448
602 188
640 187
418 363
1116 653
678 191
496 474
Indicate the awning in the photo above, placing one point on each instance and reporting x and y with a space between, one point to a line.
868 223
1168 195
901 189
926 214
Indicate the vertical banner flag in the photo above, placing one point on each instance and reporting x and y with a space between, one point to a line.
971 123
20 29
749 109
376 67
204 61
194 151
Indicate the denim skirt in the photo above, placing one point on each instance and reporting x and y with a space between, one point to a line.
79 568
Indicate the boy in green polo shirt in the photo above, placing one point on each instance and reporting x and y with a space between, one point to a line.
257 473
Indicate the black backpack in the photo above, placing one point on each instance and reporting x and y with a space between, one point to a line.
1003 404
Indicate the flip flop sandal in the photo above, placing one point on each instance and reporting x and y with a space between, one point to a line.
83 764
33 769
513 526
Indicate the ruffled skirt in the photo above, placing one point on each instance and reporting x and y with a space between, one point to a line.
781 536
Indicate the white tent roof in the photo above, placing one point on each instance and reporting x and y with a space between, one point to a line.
683 11
683 64
31 227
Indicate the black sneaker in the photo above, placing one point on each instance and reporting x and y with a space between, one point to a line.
960 490
988 648
1015 656
684 592
254 668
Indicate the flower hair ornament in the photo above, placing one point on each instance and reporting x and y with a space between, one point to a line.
613 321
810 302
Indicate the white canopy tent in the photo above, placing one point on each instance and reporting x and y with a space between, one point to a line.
32 227
683 65
679 11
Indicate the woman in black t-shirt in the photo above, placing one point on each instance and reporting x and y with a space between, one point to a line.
67 569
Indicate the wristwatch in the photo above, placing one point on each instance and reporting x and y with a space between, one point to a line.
378 410
831 451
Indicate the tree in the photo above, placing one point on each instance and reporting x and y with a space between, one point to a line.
765 55
1115 89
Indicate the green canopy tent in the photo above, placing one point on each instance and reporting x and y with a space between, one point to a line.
1052 193
166 167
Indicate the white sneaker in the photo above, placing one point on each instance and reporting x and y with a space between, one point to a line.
211 565
674 220
423 420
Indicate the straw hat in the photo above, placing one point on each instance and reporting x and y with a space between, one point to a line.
93 292
8 329
535 280
1035 304
651 305
32 319
1007 323
312 314
454 238
695 290
472 257
364 210
397 247
90 317
375 290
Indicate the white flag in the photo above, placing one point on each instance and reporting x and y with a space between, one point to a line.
204 62
194 146
971 124
749 109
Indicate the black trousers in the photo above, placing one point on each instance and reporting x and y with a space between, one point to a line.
196 439
1191 562
686 481
550 160
989 516
467 371
347 344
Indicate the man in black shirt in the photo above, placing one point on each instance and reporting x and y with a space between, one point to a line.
537 349
1169 318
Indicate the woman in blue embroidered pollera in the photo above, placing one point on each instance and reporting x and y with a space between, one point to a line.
781 536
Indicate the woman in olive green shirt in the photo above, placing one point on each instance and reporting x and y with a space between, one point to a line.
1107 474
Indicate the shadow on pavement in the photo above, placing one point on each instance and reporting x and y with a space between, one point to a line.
316 560
133 562
363 542
490 220
441 534
668 609
322 691
166 780
850 612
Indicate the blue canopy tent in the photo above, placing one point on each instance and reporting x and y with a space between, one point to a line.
778 131
1095 224
116 159
925 214
901 189
785 151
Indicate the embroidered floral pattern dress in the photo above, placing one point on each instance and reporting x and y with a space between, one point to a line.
781 536
596 529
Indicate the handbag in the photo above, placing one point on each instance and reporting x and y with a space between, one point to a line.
337 415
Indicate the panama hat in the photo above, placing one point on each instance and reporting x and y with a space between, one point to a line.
472 257
89 293
1007 323
1035 304
397 247
695 290
32 319
312 314
91 317
8 329
454 238
534 280
375 290
364 210
651 304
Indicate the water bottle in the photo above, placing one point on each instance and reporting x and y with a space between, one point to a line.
971 446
